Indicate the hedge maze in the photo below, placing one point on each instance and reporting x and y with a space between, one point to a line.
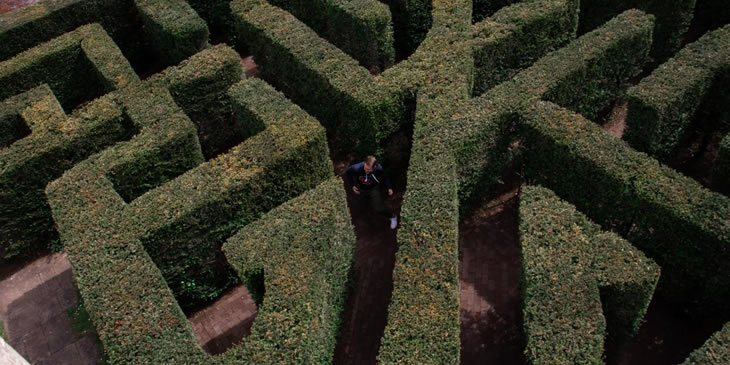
131 140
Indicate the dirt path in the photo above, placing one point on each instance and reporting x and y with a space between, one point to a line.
226 322
366 311
33 308
617 121
489 250
10 5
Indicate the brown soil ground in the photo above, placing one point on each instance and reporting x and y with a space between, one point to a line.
226 322
366 309
489 276
616 122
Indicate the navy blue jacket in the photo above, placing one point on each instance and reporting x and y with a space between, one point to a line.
356 176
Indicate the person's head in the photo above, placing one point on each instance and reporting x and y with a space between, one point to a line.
369 164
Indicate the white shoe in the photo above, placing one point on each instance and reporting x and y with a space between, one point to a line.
393 222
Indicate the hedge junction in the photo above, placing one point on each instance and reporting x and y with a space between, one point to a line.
144 187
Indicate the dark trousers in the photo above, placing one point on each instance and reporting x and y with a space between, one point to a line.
375 198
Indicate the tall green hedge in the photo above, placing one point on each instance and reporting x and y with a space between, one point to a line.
516 36
716 351
573 273
171 29
674 220
721 167
317 75
363 29
423 316
412 20
199 85
125 254
673 19
661 107
72 68
305 249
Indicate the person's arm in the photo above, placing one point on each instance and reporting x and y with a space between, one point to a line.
351 173
383 176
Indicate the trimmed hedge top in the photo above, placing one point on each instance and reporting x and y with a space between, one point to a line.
208 203
567 263
662 105
305 248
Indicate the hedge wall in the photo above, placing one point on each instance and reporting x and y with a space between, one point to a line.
412 20
324 80
362 29
516 36
305 248
55 141
573 272
715 351
485 8
670 217
423 316
171 29
116 256
673 19
721 167
662 106
199 85
78 66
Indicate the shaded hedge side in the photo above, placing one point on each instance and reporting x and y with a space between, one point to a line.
305 248
515 36
317 75
144 324
362 29
662 106
199 85
412 20
674 220
715 351
721 167
672 19
173 29
568 262
50 141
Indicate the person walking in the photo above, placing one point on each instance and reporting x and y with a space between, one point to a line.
366 178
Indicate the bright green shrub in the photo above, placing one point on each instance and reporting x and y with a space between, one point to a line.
43 141
662 106
672 19
573 273
324 80
121 250
721 167
362 29
715 351
305 248
517 35
670 217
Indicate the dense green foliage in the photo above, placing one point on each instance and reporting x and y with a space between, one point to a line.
324 80
118 250
672 19
43 141
670 217
305 248
170 29
573 273
663 105
514 37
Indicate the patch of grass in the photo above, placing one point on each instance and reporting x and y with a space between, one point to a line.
2 331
